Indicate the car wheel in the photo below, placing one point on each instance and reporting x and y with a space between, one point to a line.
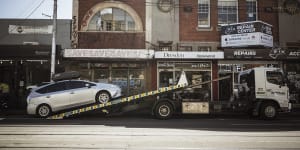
102 97
43 111
163 110
268 111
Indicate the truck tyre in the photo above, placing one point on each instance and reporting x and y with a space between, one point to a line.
268 111
163 110
43 110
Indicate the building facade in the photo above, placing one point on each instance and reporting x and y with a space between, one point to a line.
289 44
108 44
25 53
170 36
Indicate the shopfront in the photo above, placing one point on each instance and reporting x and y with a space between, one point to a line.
198 67
128 68
292 70
25 65
237 60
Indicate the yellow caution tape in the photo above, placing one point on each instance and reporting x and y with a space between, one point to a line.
122 100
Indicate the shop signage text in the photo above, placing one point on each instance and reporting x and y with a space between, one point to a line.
109 53
188 55
244 53
16 29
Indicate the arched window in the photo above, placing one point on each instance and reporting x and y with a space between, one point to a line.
111 19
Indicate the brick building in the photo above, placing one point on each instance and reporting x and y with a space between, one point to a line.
144 44
108 43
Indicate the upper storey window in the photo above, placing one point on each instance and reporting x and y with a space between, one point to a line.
227 11
251 10
111 19
203 13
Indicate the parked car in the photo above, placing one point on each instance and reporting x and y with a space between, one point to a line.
53 97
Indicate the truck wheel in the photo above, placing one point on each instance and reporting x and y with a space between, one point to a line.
163 110
43 111
268 111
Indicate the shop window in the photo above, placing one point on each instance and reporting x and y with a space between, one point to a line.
136 81
196 72
204 48
185 48
293 77
165 48
101 75
129 76
251 10
227 11
203 13
111 19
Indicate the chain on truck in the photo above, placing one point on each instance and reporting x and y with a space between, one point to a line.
259 92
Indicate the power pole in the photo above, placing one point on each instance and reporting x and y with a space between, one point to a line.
53 51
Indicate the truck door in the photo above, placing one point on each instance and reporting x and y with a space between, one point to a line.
276 88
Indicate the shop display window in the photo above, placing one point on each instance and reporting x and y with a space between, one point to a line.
129 76
196 72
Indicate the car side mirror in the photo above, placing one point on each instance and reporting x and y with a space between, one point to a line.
88 85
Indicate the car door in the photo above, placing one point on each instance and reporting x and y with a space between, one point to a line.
56 96
80 92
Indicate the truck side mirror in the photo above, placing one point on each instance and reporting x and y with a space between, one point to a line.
281 83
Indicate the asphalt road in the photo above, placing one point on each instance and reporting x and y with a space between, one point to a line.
143 132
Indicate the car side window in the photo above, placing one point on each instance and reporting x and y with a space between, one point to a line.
76 84
61 86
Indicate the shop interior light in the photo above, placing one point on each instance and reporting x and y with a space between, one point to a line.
41 62
58 62
11 62
21 61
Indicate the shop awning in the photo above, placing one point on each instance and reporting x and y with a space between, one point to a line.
32 52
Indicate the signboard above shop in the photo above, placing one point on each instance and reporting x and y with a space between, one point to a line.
266 54
16 29
244 34
188 55
109 53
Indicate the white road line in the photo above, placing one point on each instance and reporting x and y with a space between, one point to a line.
281 124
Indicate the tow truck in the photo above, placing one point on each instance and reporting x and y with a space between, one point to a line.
259 92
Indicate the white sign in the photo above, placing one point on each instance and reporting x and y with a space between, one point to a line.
16 29
188 55
109 53
247 39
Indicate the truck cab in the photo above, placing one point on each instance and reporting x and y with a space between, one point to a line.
267 91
